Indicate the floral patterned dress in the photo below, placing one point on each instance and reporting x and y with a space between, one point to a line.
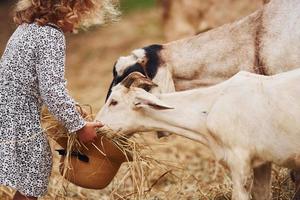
32 74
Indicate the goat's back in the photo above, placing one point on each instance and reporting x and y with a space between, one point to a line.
260 114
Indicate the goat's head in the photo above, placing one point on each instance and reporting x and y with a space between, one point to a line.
125 110
145 61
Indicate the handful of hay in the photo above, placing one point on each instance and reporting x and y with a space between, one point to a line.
131 151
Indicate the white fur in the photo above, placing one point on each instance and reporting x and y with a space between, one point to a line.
124 62
247 121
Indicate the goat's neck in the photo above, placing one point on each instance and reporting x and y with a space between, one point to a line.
213 56
188 118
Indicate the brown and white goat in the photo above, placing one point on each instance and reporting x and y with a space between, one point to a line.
266 42
246 121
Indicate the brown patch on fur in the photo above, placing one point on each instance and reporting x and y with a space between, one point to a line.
259 65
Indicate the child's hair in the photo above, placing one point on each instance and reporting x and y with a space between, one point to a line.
65 12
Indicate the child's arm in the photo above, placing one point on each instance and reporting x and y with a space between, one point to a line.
52 84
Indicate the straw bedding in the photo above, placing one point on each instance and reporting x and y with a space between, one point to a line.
182 171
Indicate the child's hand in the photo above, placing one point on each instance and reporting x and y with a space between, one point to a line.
88 132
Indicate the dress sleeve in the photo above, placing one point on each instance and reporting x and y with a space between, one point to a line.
52 84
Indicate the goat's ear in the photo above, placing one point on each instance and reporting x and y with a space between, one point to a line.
151 102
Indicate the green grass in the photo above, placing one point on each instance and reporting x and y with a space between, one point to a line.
130 5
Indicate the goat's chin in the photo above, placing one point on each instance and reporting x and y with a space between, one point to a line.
126 134
160 134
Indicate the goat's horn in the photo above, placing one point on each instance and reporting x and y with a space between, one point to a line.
136 79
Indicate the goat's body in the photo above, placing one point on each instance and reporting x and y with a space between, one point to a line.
262 115
248 120
266 42
212 57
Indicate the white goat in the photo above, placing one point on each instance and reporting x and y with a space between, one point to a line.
246 121
266 42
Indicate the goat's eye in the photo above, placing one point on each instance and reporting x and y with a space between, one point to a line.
113 102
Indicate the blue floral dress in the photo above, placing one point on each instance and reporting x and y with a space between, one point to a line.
32 74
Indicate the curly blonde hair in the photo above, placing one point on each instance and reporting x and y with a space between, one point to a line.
64 13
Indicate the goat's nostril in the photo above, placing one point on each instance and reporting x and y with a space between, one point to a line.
113 102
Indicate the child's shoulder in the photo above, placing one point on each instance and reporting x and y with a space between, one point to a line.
45 31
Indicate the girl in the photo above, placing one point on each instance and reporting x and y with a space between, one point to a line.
32 74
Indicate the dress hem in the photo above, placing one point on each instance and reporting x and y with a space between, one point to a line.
7 184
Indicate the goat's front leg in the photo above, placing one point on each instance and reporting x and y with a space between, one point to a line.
240 173
261 188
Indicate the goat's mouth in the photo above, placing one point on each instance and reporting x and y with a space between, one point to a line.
107 132
113 134
125 134
121 133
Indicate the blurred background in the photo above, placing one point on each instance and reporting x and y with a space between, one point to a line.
90 58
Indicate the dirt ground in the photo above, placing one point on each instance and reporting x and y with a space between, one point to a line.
192 173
